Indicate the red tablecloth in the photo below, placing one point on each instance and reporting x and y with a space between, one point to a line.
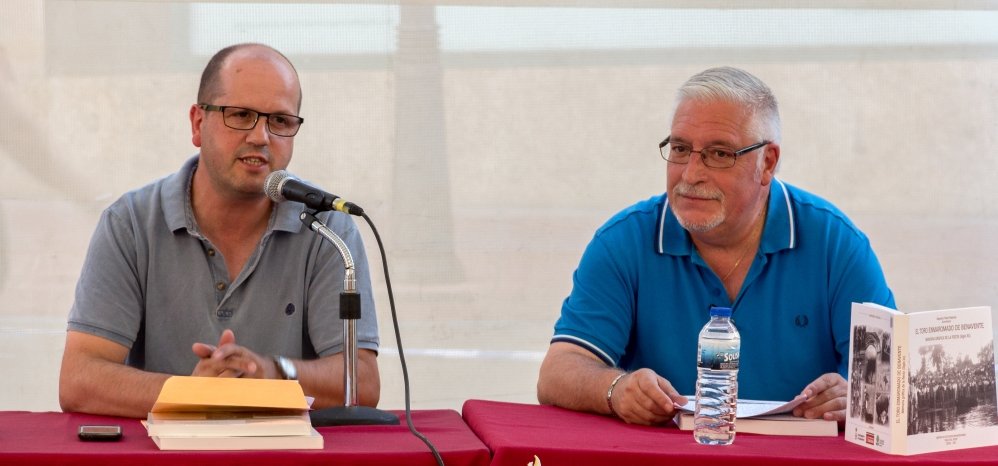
50 438
516 432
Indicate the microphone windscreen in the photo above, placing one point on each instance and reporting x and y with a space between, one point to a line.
274 183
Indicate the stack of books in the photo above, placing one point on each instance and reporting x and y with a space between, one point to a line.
206 413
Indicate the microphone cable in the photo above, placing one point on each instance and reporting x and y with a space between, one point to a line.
398 342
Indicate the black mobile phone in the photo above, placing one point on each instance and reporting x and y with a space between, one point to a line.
92 433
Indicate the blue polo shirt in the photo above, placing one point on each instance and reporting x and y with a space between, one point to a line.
642 292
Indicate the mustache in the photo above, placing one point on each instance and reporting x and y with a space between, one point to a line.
696 190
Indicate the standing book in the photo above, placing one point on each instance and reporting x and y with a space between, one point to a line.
921 382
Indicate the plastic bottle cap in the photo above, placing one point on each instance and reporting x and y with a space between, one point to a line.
720 312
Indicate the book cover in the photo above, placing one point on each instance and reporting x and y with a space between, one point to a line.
202 394
776 424
312 441
921 381
227 424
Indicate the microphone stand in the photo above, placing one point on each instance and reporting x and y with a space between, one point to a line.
351 413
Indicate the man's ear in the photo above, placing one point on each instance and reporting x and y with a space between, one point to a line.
771 160
197 117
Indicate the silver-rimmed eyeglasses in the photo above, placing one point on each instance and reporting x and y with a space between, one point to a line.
712 156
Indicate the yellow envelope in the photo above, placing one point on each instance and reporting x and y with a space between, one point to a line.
187 393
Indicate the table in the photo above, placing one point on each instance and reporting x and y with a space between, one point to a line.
32 438
516 432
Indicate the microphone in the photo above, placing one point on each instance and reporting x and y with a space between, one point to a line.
282 186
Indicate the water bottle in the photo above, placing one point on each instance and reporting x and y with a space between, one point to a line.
717 380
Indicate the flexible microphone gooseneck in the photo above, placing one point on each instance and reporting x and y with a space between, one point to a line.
282 186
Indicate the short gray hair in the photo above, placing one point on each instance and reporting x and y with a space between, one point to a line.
738 86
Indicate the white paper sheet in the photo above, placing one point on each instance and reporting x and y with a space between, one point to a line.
753 408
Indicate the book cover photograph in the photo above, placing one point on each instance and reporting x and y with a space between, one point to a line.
922 381
951 376
869 380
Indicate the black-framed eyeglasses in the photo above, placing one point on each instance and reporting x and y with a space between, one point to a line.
712 156
279 124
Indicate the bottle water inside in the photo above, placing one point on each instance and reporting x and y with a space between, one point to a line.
717 380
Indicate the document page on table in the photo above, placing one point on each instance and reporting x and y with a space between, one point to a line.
753 408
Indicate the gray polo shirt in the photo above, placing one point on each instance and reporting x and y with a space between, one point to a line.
154 284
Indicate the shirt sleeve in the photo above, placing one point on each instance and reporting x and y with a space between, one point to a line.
599 312
857 278
109 296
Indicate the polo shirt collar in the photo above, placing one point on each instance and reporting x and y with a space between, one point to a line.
176 199
780 231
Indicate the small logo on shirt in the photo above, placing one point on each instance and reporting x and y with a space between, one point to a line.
801 320
224 314
290 309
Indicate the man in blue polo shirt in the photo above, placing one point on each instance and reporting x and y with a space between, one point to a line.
725 233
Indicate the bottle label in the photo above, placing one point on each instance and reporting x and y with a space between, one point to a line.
718 357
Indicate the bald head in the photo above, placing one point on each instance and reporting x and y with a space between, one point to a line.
211 86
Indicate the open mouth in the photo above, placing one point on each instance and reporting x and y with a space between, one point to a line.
253 161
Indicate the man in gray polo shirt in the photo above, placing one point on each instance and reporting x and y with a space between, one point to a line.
200 273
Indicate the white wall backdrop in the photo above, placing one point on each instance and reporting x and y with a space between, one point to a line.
488 140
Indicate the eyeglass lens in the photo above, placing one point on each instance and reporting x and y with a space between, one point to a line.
244 119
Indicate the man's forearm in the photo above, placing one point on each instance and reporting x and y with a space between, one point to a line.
574 381
102 387
323 379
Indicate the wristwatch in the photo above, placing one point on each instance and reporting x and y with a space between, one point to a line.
286 368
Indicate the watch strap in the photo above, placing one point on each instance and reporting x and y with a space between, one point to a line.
286 368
